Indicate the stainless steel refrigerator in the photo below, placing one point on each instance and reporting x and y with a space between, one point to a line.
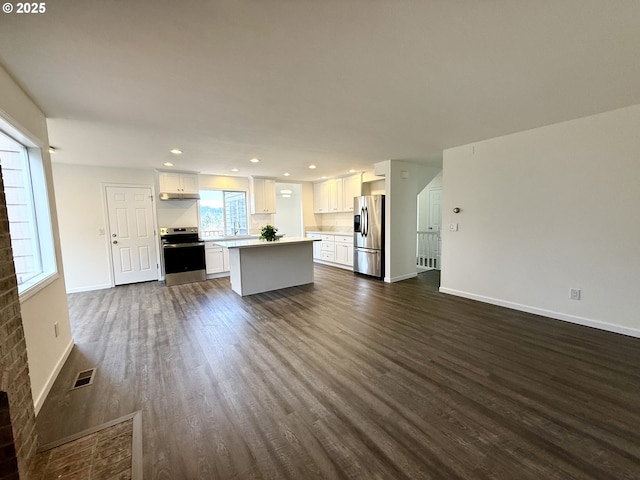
368 235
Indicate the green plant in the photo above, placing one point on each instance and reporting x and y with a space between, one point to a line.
268 233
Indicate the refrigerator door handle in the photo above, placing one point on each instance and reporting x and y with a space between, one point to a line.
366 224
363 228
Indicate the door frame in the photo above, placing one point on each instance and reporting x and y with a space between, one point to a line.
105 216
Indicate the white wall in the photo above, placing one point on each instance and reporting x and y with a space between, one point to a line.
82 215
46 352
288 217
309 219
547 210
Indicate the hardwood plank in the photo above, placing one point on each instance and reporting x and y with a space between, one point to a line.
349 378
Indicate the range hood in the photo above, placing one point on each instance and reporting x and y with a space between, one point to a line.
179 196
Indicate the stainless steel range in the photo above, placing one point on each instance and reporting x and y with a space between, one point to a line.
183 254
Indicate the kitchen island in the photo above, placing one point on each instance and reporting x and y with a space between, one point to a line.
258 266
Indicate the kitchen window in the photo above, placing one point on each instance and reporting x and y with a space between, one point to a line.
223 212
29 216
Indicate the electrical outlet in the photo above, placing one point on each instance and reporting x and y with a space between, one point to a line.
453 227
55 329
574 294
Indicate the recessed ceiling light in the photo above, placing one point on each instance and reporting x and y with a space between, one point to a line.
168 164
254 160
352 171
176 151
286 174
52 149
234 170
323 177
312 166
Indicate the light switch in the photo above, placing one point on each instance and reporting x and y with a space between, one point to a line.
453 227
101 231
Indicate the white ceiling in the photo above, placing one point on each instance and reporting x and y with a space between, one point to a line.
339 83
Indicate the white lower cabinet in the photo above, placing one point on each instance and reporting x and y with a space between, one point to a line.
317 246
216 258
344 251
328 248
336 249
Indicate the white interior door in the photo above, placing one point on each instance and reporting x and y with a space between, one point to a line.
435 209
133 241
435 221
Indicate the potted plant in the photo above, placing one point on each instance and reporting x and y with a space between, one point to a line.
268 233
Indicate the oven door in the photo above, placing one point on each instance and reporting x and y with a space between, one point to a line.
182 258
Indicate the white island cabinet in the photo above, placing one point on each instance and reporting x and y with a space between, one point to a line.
258 266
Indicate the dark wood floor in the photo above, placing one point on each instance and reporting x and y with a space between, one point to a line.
350 378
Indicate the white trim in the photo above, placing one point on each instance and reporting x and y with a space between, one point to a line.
587 322
331 264
90 288
39 285
19 133
400 278
39 401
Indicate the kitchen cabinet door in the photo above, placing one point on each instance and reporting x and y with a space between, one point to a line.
214 260
335 195
189 183
317 246
178 182
169 182
352 187
344 254
321 197
263 195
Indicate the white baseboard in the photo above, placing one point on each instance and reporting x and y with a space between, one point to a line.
39 401
89 288
400 278
331 264
587 322
218 275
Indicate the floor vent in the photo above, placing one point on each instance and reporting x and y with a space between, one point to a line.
84 379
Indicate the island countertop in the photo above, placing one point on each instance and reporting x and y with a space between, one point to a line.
253 243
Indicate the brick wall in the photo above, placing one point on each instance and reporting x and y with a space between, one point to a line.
14 370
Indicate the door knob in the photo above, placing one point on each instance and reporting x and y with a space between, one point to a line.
115 241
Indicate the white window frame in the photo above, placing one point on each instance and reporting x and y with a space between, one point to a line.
39 196
224 213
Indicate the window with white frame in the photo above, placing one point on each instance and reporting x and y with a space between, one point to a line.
28 211
223 212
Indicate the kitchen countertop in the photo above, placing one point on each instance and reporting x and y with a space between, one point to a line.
253 243
229 238
331 232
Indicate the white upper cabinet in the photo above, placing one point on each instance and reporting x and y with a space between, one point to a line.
352 187
263 195
320 197
178 182
336 195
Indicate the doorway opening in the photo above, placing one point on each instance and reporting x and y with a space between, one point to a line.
429 223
